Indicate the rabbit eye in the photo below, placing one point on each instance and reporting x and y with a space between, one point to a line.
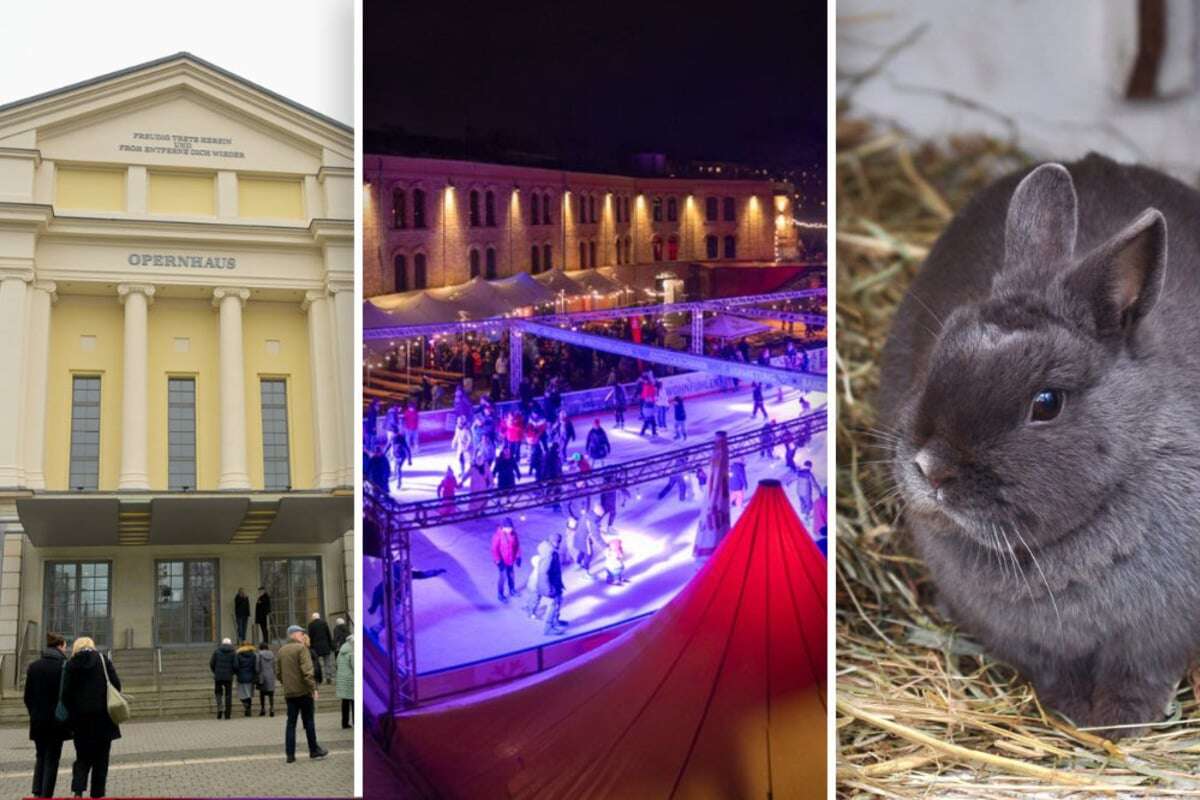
1047 404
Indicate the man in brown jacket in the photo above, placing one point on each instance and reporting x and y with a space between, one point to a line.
294 669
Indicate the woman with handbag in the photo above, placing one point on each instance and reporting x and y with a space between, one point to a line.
91 696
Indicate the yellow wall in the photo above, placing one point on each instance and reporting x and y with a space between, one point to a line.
72 317
285 323
271 198
90 189
182 193
197 321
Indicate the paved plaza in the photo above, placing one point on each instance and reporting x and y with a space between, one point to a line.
206 758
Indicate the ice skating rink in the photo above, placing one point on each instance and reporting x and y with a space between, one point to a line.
457 615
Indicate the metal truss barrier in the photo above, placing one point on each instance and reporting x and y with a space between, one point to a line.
783 316
400 518
805 381
501 324
381 527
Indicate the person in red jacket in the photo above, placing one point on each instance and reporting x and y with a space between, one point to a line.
412 426
446 490
506 552
514 432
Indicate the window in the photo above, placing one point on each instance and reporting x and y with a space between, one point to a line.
535 258
76 597
400 272
474 209
419 271
592 209
473 257
418 210
85 433
187 604
658 209
489 209
533 210
399 212
181 434
277 472
727 207
710 247
592 254
627 209
490 264
710 209
672 209
617 210
546 257
582 255
730 247
294 585
657 244
672 248
582 209
546 209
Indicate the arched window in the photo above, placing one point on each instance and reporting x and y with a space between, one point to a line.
658 209
473 257
535 265
592 254
399 209
617 247
582 254
729 209
592 210
489 209
547 260
582 216
656 244
627 210
418 210
474 215
546 210
534 217
490 264
419 271
400 272
710 246
672 209
710 209
672 248
730 247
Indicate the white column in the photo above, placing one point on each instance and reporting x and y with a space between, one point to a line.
232 390
326 416
14 287
134 422
345 363
42 296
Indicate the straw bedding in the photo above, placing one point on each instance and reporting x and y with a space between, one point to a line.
921 712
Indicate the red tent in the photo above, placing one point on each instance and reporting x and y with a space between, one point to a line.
720 694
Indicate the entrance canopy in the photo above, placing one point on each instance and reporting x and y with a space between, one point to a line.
102 519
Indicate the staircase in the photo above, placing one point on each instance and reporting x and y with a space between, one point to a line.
185 689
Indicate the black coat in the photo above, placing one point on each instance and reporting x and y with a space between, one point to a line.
262 607
241 606
223 663
85 695
41 696
246 665
340 634
321 638
318 676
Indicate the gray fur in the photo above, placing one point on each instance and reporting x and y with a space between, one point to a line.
1070 548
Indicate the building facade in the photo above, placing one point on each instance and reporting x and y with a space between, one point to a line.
429 223
176 325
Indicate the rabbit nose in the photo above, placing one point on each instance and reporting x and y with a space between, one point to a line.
935 470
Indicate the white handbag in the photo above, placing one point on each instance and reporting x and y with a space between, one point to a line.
118 704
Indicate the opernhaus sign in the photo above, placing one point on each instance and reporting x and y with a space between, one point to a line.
181 260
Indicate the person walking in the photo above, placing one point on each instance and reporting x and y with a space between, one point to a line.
412 430
550 585
737 483
461 443
294 669
806 488
537 565
241 613
322 644
597 445
680 418
86 678
223 664
262 612
617 394
43 685
245 668
345 681
266 679
341 632
506 553
757 395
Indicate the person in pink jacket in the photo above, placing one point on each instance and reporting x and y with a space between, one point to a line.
446 490
412 426
506 552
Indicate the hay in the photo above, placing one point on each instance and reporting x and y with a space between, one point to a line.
921 712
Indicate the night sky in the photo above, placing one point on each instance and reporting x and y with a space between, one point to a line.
589 84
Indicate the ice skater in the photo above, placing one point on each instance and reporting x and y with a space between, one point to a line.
614 562
537 565
550 585
617 395
597 445
806 488
677 480
767 439
446 490
661 404
412 430
461 443
757 394
680 418
649 418
737 483
506 553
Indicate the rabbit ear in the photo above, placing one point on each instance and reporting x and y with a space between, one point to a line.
1042 219
1121 279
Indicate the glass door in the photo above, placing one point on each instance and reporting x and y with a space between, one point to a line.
186 608
78 600
295 588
